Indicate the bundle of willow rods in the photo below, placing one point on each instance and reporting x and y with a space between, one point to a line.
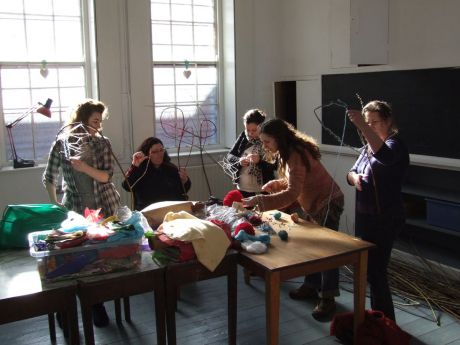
419 282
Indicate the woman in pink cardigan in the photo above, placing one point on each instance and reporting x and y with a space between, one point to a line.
303 179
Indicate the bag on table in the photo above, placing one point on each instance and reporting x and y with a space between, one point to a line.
20 220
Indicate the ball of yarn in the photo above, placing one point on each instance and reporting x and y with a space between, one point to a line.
277 215
283 235
230 197
255 220
246 227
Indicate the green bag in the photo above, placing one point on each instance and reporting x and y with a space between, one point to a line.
19 220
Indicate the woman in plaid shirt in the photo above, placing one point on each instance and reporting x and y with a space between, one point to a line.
85 158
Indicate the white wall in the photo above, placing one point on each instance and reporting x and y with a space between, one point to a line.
274 40
314 39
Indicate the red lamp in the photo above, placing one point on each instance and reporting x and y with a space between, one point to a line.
40 108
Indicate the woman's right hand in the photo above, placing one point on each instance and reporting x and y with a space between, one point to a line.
356 179
244 161
138 158
271 186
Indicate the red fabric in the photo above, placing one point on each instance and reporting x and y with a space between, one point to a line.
376 329
224 226
233 195
185 248
246 227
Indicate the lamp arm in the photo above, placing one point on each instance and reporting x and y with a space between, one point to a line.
21 117
13 148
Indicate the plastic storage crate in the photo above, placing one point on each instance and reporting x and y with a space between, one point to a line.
84 260
444 214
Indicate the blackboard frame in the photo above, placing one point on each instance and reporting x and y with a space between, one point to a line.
426 106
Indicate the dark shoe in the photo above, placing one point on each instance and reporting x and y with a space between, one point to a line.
325 309
303 292
100 317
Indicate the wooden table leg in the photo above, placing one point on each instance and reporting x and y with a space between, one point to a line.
360 282
171 302
87 319
160 312
272 304
232 293
72 318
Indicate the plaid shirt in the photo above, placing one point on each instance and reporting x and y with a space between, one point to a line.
105 194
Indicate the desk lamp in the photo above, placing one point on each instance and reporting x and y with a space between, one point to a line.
40 108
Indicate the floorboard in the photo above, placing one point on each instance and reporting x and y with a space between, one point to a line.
202 319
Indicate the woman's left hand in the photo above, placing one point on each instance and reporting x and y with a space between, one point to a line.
183 175
78 164
356 118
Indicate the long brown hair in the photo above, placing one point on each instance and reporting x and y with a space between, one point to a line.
289 139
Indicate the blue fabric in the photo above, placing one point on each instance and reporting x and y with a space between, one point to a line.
138 231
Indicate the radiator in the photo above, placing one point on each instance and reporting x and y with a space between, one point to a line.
219 183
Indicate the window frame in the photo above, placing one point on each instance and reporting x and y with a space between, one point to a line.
89 66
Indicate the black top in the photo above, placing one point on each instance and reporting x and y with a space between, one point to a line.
241 144
158 184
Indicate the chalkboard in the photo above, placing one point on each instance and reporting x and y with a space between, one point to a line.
425 102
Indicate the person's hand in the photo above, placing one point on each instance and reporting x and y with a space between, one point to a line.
253 158
138 158
244 161
183 175
356 180
250 202
271 186
356 118
78 164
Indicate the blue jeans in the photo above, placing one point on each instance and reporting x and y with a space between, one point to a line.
327 282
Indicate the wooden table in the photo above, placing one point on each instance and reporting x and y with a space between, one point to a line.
113 286
23 295
310 248
179 274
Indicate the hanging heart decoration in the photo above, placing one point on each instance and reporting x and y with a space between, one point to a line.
44 69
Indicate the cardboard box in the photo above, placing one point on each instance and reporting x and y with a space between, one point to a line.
84 260
156 212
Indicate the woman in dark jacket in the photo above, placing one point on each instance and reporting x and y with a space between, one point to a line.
153 178
246 157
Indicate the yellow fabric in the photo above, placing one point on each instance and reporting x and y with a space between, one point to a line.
209 241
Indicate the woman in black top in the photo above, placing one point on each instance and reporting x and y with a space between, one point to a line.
247 157
153 178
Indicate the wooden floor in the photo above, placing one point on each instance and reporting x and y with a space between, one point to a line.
202 319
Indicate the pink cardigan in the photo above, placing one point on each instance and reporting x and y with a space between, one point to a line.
312 189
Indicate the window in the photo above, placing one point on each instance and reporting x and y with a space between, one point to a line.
185 72
47 57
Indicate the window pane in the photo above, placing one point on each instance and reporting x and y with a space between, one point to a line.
161 52
163 75
71 76
67 8
185 93
40 41
182 73
204 35
160 12
207 75
37 80
161 33
203 14
181 13
12 36
207 94
182 34
38 7
182 53
11 6
69 45
164 94
203 53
